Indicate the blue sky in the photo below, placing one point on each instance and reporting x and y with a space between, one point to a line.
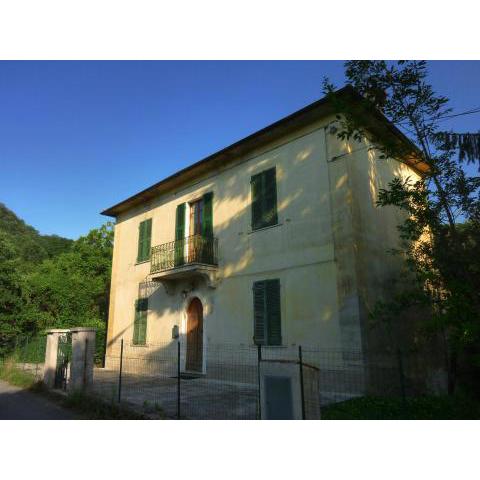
78 137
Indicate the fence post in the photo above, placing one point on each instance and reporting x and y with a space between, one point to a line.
37 345
16 351
302 392
120 372
85 364
178 379
401 375
25 352
259 359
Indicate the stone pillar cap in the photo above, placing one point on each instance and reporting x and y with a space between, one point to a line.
83 329
58 330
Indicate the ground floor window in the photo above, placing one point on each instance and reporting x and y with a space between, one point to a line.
140 323
267 312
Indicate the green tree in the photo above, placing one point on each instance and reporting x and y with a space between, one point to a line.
10 292
442 223
72 289
48 281
30 247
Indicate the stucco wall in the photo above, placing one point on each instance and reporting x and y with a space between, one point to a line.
364 235
329 249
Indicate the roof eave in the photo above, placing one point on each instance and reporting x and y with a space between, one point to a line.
296 120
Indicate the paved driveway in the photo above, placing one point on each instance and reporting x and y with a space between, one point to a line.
200 398
19 404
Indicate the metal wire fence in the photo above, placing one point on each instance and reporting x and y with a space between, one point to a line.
26 354
228 384
224 381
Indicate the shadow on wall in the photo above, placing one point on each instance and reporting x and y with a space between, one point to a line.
380 268
240 252
304 211
232 201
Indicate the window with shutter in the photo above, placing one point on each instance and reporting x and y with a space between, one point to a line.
267 312
264 199
180 235
259 320
207 227
256 186
144 240
140 323
270 197
273 314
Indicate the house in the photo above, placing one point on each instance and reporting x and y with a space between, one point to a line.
274 240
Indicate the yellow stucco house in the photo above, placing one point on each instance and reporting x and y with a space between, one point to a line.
275 240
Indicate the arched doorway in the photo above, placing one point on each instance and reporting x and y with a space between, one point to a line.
194 360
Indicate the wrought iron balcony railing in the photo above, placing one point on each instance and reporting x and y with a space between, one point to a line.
191 250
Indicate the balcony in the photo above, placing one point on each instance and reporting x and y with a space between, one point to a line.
190 257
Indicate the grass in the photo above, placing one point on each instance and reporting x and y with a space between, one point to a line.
14 376
87 406
154 410
95 409
457 407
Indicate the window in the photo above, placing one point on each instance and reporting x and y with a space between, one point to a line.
140 323
144 240
264 199
207 223
266 312
190 244
201 216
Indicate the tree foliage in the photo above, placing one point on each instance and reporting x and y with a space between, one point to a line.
51 282
29 245
441 231
72 288
10 289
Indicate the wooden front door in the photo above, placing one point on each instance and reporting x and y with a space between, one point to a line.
194 336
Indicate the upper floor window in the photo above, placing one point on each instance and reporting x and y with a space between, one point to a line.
200 218
144 240
193 239
264 199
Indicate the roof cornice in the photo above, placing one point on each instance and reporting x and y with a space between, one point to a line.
297 120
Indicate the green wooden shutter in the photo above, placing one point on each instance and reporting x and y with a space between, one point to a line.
180 235
273 312
144 240
256 186
207 227
142 328
140 241
264 199
259 317
270 197
140 323
147 241
180 222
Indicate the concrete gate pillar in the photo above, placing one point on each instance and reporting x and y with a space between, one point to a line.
83 352
51 356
